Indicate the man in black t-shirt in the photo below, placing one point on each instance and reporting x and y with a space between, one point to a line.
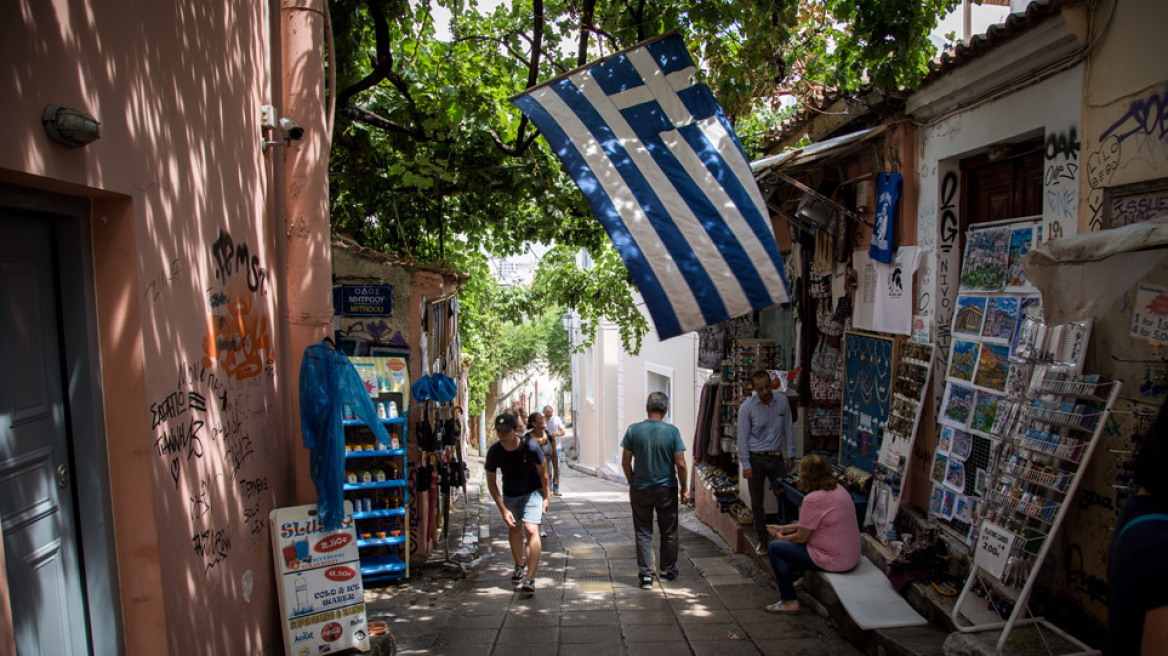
525 495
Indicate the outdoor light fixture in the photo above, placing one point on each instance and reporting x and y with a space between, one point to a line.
70 127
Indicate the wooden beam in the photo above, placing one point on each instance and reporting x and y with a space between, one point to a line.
839 208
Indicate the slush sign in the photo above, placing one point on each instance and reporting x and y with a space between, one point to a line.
363 300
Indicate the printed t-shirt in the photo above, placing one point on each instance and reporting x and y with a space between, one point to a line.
835 535
520 467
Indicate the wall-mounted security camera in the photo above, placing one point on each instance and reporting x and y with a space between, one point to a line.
292 129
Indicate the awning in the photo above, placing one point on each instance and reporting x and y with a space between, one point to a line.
833 147
1081 276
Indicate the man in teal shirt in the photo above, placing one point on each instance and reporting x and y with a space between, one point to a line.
654 464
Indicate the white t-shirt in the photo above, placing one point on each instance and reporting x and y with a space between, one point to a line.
554 425
884 300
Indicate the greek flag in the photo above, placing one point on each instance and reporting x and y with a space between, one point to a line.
664 172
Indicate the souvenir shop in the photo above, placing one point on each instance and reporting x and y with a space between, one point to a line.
1003 409
398 323
831 352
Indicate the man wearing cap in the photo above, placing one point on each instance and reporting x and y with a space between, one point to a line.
766 447
525 495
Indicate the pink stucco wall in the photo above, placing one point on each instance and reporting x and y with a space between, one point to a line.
185 245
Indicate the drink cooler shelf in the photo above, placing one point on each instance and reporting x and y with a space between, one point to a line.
382 567
374 454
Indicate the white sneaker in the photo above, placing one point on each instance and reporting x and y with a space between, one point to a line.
528 585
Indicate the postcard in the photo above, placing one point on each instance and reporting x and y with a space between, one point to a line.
969 315
983 268
985 411
993 367
963 361
1001 317
957 406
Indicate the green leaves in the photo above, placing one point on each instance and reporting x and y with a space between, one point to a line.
431 161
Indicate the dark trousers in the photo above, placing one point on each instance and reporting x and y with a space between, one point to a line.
663 500
763 469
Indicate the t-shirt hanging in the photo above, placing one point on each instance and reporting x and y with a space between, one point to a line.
884 299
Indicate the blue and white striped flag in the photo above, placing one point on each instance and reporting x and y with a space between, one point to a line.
664 172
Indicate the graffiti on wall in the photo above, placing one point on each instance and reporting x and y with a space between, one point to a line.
1138 138
204 425
239 332
1060 182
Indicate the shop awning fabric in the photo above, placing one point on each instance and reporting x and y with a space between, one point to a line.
663 171
1081 276
815 152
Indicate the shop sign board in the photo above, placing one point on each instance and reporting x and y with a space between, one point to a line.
363 300
993 549
318 573
1150 314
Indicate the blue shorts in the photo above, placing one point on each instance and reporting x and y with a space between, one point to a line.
527 508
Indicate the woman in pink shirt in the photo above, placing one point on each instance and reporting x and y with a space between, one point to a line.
827 537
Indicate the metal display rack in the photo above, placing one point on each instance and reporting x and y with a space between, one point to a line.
380 507
1044 456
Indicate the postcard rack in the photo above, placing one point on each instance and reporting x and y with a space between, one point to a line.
1044 455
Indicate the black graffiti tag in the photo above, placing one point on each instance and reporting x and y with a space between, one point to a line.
948 232
1091 585
231 258
1066 145
212 546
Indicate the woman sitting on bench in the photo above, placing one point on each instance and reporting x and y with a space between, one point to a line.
826 538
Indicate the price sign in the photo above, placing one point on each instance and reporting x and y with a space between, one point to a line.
993 549
1150 315
318 575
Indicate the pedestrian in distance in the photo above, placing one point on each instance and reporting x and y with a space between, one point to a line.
766 447
825 539
555 430
524 498
654 464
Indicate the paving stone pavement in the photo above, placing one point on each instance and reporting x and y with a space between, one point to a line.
587 598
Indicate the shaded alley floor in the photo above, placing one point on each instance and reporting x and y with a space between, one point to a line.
587 600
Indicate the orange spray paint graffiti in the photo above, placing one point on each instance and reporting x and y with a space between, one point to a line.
240 340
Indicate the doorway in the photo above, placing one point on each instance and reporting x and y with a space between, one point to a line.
54 491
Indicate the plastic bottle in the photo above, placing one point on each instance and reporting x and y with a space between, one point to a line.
890 534
381 411
302 594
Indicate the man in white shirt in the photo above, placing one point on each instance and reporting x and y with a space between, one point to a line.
554 429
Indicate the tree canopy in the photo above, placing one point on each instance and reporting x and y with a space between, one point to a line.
432 162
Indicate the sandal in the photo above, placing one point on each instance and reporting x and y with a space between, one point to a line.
777 608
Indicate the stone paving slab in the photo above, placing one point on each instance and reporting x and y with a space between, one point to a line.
588 600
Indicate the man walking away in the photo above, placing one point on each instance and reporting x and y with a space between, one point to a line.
654 464
525 495
766 447
555 430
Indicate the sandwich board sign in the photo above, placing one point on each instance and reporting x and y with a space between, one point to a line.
318 576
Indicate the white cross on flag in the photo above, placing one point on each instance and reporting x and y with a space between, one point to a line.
664 172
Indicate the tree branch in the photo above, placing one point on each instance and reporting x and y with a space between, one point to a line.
382 70
533 67
585 21
376 120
